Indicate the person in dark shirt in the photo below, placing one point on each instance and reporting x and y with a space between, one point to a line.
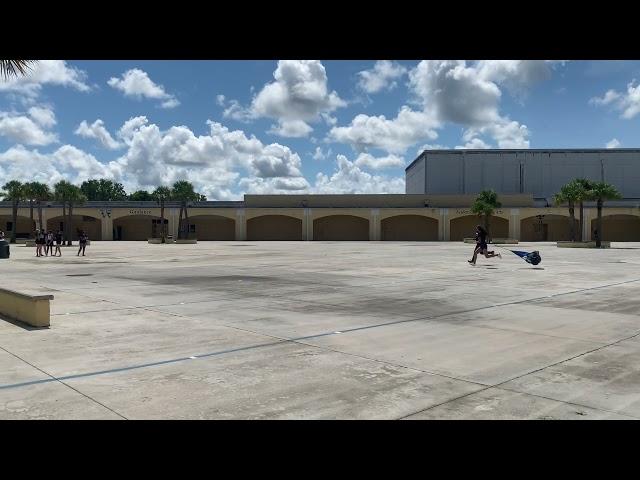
58 243
83 243
481 246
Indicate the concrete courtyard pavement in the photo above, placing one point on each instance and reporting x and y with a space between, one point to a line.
324 330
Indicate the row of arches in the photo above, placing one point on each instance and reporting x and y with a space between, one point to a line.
338 227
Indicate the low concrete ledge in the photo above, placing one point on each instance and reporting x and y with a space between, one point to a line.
583 244
495 241
158 241
30 309
186 240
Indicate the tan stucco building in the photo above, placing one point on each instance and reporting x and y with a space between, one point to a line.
401 217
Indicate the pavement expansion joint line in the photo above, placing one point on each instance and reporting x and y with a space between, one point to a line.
282 340
53 378
499 385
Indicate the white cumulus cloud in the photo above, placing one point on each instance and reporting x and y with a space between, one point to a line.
628 103
47 72
382 76
614 143
349 178
24 130
136 83
98 132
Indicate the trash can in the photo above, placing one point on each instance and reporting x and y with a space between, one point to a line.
4 249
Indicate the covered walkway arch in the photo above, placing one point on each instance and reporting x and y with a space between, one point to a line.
416 228
341 227
465 227
274 227
136 227
618 228
547 228
212 227
91 225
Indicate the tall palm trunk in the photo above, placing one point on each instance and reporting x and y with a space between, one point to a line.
581 234
599 236
70 224
40 213
186 221
180 225
15 221
64 220
572 219
163 234
33 224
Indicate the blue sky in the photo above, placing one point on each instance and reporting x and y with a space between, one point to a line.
235 127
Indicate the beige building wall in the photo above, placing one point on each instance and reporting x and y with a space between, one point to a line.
339 222
24 225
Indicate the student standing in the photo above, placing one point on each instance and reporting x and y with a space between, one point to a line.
83 242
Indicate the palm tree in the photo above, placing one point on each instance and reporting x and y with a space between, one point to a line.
183 191
569 194
41 193
601 191
162 194
14 68
485 204
14 191
582 187
69 195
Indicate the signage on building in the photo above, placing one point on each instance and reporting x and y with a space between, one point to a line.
139 212
469 212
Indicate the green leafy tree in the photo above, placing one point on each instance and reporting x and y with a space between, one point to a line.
103 190
569 194
183 192
600 192
484 206
141 196
14 191
161 195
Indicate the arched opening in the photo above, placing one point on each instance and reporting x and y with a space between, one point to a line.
136 227
618 228
465 227
91 226
23 228
212 227
413 228
274 227
341 227
547 228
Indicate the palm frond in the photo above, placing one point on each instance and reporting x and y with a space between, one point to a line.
15 68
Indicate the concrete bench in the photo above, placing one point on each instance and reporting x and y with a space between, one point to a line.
30 309
586 244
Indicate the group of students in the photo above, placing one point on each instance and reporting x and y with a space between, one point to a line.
45 241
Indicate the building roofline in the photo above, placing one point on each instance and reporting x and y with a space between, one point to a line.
461 151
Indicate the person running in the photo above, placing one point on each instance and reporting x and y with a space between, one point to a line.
49 245
481 246
83 242
58 242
